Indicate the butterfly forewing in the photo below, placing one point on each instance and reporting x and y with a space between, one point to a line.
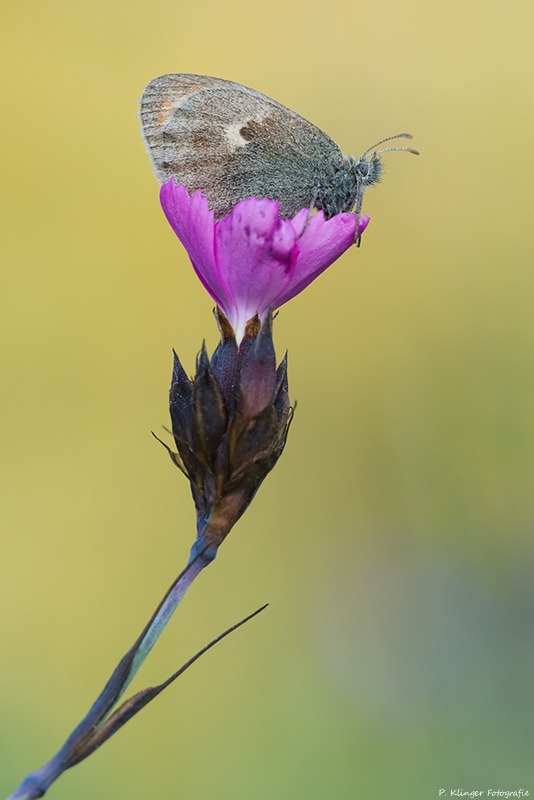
233 142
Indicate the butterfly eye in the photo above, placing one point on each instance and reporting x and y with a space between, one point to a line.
363 168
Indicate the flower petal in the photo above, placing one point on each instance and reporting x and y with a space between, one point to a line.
256 253
320 245
193 223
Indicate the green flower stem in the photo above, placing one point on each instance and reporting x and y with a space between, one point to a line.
78 744
166 610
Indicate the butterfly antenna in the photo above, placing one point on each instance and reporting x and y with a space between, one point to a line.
389 149
388 139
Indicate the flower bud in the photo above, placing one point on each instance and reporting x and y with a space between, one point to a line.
230 423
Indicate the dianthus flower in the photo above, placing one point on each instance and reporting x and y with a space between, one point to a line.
252 261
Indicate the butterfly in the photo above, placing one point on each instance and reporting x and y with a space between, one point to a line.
232 142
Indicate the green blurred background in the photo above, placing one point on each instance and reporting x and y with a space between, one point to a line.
394 538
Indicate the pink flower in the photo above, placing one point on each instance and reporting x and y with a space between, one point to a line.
252 260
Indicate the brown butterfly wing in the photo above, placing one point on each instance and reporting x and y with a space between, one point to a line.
233 142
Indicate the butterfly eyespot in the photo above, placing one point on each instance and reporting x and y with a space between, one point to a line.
246 133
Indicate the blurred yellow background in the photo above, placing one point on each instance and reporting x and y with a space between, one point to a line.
394 538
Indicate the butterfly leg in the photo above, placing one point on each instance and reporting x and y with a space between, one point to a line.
358 212
315 197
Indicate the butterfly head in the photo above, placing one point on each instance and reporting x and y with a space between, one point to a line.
369 169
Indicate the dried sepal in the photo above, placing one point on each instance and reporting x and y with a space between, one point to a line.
230 423
209 408
224 361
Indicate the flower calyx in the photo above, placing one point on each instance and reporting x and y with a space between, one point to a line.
230 423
